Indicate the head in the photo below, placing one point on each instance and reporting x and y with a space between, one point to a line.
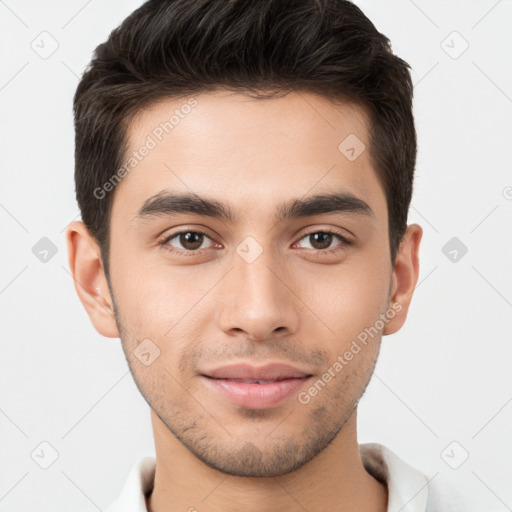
244 171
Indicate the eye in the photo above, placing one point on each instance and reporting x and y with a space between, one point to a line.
189 241
322 240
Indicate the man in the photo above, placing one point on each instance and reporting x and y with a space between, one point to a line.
244 171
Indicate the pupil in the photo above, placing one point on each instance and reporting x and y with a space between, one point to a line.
325 239
187 240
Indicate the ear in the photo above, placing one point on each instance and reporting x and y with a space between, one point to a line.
405 277
84 257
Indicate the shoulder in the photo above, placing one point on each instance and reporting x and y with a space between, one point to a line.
408 488
444 497
139 482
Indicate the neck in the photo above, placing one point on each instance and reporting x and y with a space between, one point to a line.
334 480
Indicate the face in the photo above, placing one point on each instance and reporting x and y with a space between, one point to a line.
232 314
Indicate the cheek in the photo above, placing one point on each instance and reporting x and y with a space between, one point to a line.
169 306
158 294
348 299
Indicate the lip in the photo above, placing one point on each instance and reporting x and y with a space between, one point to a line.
255 387
269 371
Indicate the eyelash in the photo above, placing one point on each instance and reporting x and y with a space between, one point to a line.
319 252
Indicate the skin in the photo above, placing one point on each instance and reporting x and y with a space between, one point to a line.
291 304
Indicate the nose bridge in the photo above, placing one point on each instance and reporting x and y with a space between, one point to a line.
258 279
257 300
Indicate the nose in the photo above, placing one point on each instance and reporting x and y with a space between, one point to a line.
259 299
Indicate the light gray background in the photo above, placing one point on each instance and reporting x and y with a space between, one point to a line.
444 377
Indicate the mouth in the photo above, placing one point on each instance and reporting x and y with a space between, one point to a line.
255 387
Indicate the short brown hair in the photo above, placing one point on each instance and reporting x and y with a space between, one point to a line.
175 48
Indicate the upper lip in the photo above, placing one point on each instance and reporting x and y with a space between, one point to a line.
271 371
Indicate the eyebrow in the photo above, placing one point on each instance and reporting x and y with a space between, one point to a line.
165 203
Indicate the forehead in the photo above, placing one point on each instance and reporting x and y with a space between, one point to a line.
247 152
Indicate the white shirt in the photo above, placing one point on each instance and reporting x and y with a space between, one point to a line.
409 490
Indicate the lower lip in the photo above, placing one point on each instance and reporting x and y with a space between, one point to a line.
253 395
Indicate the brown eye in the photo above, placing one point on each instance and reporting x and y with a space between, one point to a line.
320 240
191 240
185 241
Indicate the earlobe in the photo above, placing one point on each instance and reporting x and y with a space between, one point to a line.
404 279
86 267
